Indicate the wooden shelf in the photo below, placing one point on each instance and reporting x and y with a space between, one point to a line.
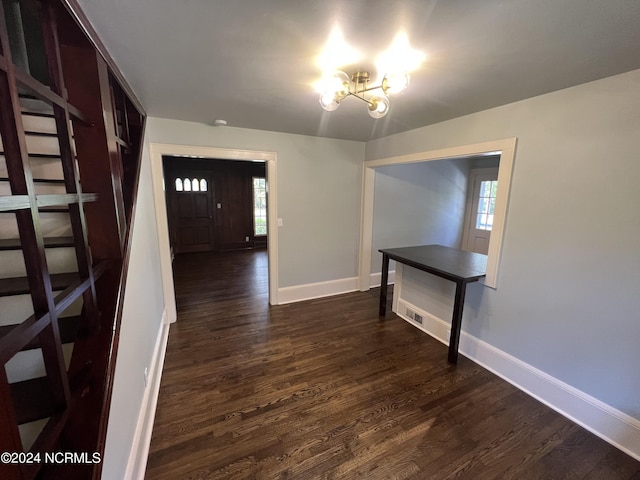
68 329
39 156
37 114
53 209
49 242
20 285
12 203
31 133
64 199
44 156
52 181
33 400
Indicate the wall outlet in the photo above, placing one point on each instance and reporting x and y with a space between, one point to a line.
246 239
410 313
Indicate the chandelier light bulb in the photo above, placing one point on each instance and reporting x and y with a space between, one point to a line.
341 83
378 106
329 102
395 83
336 83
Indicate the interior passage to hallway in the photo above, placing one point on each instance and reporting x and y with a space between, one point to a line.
325 389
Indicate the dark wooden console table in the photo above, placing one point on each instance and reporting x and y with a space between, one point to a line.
459 266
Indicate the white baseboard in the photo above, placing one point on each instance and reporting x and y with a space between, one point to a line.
376 278
137 462
310 291
616 427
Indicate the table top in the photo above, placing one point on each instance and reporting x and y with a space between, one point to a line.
451 263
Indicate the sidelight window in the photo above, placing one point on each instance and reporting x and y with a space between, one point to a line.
259 206
486 205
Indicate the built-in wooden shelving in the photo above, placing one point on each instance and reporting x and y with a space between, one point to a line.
64 111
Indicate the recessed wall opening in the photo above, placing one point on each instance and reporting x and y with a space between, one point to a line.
444 200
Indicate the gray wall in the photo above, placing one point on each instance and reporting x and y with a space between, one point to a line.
319 185
567 299
418 204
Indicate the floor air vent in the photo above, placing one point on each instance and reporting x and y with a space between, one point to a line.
416 317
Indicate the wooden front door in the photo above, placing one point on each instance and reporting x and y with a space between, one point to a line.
192 212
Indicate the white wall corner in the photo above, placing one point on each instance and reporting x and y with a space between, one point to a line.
139 453
376 278
616 427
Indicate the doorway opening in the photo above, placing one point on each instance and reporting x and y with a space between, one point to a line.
160 186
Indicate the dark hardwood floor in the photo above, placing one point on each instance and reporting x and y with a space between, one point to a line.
323 389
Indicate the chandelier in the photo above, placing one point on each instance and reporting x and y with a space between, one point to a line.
338 86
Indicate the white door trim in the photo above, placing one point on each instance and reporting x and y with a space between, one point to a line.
507 149
157 150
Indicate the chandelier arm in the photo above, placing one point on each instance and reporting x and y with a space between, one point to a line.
370 89
353 94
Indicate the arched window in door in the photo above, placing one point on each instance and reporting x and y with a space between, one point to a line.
191 185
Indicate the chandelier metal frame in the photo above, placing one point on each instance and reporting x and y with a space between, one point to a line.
340 85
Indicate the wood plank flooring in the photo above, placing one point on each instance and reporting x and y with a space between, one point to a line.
323 389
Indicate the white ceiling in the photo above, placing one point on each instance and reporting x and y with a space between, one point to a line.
252 62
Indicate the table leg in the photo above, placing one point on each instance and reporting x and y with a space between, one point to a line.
383 285
456 322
